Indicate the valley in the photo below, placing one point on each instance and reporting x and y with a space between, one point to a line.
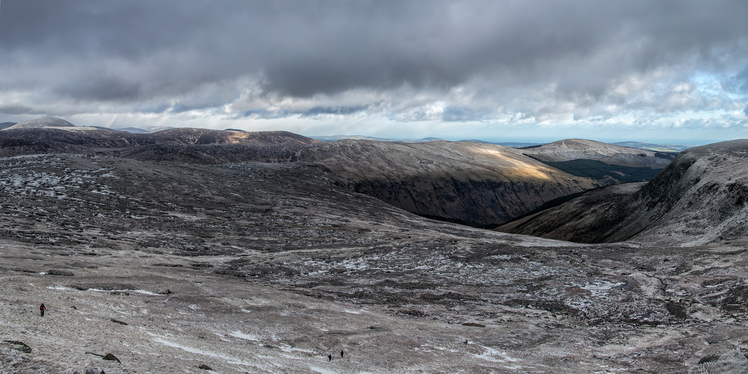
700 198
183 257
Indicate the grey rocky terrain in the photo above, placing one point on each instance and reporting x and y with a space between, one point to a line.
252 267
233 267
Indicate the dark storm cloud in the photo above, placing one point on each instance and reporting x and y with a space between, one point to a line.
15 109
105 88
90 28
150 52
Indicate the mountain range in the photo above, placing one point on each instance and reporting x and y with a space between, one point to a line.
479 184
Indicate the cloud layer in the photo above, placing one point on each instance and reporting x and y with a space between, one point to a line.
430 68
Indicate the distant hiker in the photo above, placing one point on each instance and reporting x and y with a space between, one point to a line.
329 357
42 308
341 354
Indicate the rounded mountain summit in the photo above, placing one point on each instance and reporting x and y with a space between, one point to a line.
41 123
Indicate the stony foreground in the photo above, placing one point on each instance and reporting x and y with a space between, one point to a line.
565 310
253 268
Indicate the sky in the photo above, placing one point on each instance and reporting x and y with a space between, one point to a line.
494 70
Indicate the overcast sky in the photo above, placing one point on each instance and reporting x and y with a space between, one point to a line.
674 71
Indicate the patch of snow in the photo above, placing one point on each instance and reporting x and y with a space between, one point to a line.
99 290
241 335
491 354
199 351
289 349
598 288
67 128
318 369
144 292
60 288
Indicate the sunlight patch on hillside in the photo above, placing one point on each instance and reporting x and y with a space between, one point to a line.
514 166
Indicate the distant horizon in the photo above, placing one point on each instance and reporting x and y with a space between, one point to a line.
493 140
518 141
708 136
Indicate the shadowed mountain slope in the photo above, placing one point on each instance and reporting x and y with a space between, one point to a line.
473 183
590 218
702 197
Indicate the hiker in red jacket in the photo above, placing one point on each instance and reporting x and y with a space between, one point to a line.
42 309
